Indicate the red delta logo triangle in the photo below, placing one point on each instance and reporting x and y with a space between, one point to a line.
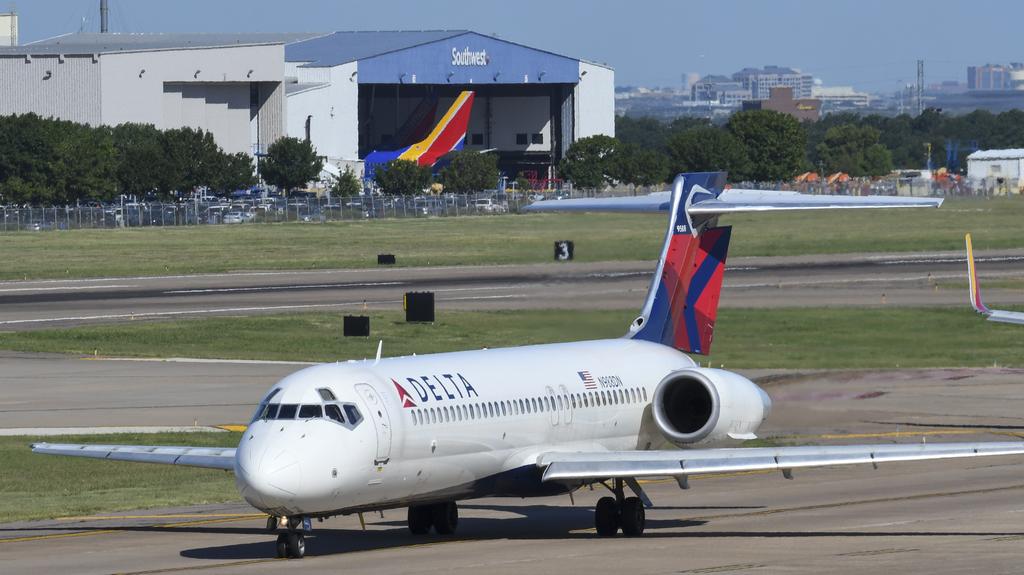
403 395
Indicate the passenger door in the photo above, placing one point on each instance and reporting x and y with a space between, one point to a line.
381 422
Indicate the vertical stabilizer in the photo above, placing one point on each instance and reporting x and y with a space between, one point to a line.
682 302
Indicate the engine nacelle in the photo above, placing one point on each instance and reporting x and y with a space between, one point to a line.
703 405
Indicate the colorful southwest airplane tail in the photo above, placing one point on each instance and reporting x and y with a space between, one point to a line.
448 135
682 302
975 293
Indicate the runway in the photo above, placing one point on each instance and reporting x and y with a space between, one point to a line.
934 517
858 279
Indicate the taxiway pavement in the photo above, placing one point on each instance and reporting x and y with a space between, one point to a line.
822 280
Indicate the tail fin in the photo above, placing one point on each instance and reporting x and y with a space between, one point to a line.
448 135
682 302
972 281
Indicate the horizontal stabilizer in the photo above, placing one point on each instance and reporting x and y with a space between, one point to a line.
733 201
209 457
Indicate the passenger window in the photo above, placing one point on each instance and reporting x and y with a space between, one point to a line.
476 408
644 391
287 411
533 403
310 412
504 408
573 401
448 415
354 417
560 406
326 394
490 408
334 412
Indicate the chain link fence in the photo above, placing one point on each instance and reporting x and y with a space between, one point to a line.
276 210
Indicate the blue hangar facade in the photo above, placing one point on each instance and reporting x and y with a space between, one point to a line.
351 93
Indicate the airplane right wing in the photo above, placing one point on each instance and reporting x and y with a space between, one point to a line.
597 466
975 293
208 457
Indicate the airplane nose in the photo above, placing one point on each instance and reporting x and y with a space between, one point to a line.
270 477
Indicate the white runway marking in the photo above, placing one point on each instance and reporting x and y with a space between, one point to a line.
64 288
276 288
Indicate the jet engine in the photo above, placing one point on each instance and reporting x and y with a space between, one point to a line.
704 405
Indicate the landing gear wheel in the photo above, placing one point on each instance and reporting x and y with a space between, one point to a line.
606 517
282 546
632 517
296 544
446 517
420 519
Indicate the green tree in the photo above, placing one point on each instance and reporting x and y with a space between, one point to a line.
346 184
775 144
640 167
855 150
469 172
291 163
590 162
402 177
192 160
236 172
707 149
140 158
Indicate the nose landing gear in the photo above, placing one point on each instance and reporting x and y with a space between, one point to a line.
443 517
613 513
291 544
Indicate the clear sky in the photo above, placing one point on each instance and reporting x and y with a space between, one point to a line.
871 44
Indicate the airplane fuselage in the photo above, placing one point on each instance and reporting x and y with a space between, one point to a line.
451 426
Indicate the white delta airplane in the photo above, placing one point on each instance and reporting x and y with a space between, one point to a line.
425 432
997 315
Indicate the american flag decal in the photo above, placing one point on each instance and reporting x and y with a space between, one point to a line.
588 380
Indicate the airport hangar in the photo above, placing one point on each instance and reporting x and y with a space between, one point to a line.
349 93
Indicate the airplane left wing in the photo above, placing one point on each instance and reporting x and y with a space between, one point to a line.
208 457
576 466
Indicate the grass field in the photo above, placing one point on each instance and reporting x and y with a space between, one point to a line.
818 338
489 240
39 486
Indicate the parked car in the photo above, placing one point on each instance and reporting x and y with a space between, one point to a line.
490 206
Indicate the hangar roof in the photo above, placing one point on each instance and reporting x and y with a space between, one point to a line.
96 43
342 47
1007 154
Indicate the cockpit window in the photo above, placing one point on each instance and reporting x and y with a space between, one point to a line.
271 411
354 417
310 412
287 411
334 412
326 394
261 410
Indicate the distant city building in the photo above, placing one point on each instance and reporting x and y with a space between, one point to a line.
782 100
836 98
761 81
9 29
993 77
721 90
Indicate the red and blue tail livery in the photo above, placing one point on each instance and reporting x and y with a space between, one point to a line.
447 136
682 303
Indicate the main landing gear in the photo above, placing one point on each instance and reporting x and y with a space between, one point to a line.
619 512
291 544
443 517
